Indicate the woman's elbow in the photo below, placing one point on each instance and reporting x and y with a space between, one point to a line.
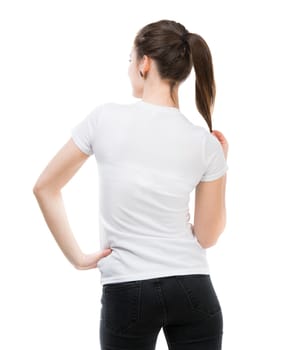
210 238
208 243
38 189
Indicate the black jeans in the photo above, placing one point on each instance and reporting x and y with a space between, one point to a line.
185 306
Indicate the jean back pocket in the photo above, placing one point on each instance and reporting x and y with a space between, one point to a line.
120 305
200 293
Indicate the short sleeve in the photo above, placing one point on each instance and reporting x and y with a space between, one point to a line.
216 165
83 133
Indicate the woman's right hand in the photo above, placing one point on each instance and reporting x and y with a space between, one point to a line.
223 141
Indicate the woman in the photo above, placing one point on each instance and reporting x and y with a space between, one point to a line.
150 158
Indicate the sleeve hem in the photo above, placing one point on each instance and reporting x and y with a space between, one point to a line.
216 175
80 146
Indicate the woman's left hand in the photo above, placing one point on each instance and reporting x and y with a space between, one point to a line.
89 261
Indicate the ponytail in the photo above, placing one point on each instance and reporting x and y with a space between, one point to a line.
205 83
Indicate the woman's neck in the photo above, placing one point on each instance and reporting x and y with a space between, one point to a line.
159 94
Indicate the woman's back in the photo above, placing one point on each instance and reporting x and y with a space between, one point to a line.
150 158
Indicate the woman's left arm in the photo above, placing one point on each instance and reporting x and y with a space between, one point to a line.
47 190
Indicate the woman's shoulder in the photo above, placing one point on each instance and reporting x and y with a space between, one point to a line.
115 105
106 107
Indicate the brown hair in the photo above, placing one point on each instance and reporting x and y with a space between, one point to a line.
176 51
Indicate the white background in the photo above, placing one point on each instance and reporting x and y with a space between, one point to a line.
59 59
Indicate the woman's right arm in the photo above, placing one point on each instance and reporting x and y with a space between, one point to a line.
210 211
210 208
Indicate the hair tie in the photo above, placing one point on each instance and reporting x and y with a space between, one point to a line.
185 36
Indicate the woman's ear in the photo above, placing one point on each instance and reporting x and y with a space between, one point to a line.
145 65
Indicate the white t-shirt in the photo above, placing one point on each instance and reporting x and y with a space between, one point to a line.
150 158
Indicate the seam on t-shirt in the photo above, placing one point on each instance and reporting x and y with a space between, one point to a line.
217 175
79 144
